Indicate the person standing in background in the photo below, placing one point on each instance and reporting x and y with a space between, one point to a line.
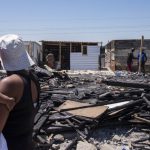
143 59
130 59
50 60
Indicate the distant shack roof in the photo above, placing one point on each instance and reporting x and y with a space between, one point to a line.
127 44
32 42
43 41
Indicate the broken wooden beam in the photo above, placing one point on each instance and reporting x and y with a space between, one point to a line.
142 119
144 96
126 84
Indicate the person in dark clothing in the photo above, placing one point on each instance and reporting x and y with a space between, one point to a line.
17 124
130 59
143 58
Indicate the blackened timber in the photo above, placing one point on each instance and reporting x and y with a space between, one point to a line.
57 92
81 135
105 95
126 84
76 120
140 146
128 115
123 113
142 139
70 145
146 100
144 115
40 123
132 92
41 139
142 119
57 129
59 118
86 119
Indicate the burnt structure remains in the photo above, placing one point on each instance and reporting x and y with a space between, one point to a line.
68 117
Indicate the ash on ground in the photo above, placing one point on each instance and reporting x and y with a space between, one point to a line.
124 125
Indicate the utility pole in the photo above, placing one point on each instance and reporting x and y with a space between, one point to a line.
100 64
101 43
140 57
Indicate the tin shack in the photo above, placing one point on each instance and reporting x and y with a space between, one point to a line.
73 55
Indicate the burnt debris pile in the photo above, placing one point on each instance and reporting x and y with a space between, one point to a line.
91 110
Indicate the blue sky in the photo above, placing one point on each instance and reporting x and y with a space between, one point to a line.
76 20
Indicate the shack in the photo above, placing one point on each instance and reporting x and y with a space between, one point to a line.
116 52
35 51
73 55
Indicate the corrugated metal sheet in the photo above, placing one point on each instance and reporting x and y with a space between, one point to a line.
94 42
85 62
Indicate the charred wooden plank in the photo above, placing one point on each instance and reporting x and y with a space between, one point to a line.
57 92
41 139
144 96
126 116
142 119
57 129
85 119
81 134
59 118
40 123
142 139
130 92
127 84
105 95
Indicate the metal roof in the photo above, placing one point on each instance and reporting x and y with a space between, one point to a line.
70 41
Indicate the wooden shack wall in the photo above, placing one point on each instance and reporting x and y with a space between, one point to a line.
117 51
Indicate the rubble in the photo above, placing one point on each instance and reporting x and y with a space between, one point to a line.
67 104
84 145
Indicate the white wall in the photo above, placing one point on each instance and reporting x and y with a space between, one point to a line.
37 53
34 49
85 62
